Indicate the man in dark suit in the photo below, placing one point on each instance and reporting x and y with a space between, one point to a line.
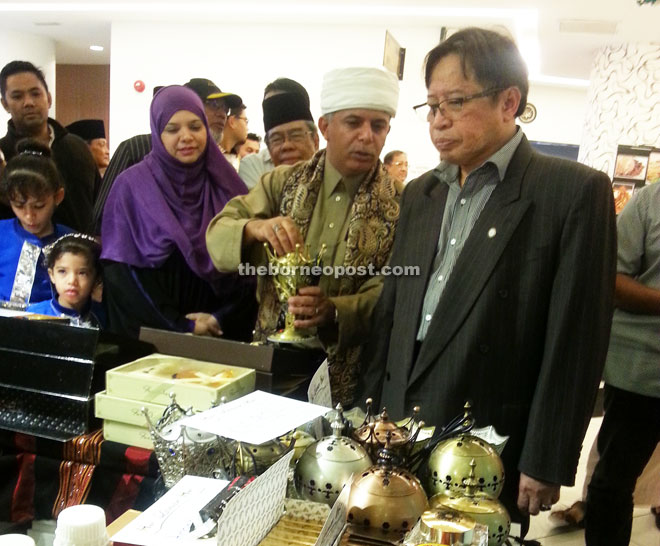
513 305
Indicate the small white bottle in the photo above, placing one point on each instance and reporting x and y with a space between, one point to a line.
16 540
82 525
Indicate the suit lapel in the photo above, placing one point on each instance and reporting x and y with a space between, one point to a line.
481 252
426 228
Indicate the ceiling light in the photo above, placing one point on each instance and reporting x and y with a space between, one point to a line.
96 48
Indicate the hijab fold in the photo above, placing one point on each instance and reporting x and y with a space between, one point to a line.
162 205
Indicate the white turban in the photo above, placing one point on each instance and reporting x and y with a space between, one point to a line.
370 88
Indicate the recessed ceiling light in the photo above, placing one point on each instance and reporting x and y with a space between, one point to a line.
96 48
47 24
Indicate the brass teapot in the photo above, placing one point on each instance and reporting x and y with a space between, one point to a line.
448 466
385 496
479 506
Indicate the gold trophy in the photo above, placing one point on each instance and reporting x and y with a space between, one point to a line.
294 270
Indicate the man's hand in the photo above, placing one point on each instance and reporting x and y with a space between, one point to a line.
313 308
535 495
280 232
205 324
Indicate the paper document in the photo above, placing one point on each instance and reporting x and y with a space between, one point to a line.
255 418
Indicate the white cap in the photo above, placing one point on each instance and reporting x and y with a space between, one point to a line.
16 540
359 87
82 525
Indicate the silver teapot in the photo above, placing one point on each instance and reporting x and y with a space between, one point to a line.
327 465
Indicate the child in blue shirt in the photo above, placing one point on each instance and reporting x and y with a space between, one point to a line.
75 269
33 188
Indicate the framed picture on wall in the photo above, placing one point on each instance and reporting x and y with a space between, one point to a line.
631 166
394 56
634 168
623 191
653 169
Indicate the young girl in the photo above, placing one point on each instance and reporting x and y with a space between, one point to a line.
74 268
33 188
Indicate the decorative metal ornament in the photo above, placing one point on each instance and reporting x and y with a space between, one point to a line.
446 526
386 497
182 451
292 271
327 465
301 441
376 429
483 509
242 459
448 467
529 113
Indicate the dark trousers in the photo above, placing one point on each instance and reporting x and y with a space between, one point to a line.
627 438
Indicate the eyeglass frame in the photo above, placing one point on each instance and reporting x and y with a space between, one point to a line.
435 108
286 135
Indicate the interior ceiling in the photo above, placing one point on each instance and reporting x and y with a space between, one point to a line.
567 33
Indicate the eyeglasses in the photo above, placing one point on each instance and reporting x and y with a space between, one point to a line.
243 118
294 135
450 108
217 104
400 163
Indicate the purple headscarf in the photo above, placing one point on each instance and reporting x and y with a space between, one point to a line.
160 204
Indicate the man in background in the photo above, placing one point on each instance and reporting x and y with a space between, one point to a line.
254 167
92 131
396 165
234 135
630 430
250 146
26 99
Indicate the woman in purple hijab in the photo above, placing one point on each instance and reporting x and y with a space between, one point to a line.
158 272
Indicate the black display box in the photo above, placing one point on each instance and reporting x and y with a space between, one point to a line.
49 373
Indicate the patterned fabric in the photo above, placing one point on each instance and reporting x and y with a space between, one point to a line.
25 272
81 455
374 215
42 477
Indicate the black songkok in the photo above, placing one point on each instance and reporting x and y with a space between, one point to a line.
284 108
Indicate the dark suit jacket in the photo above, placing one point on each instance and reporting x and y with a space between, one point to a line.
522 327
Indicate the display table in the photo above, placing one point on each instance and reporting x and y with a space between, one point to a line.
40 477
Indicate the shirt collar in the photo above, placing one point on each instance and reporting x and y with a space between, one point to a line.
51 135
332 177
449 172
69 312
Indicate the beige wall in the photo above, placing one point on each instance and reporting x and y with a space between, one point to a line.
83 92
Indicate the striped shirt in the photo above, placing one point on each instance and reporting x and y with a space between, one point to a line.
462 209
128 153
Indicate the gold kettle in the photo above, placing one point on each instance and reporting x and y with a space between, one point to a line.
482 508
